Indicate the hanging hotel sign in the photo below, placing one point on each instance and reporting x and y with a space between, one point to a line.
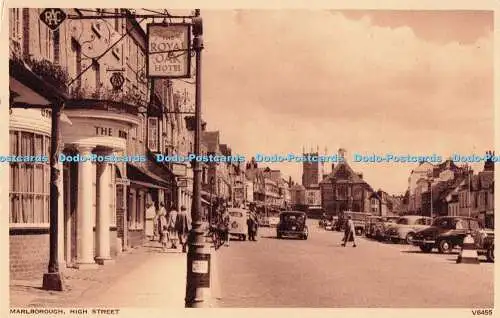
169 50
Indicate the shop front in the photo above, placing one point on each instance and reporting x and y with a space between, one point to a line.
29 182
150 184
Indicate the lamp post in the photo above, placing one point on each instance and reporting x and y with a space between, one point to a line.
198 257
468 194
430 192
212 182
52 280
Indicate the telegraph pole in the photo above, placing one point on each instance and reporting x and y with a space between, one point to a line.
198 258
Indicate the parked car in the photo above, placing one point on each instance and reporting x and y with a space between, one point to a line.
406 227
370 224
449 232
273 221
331 223
238 223
292 223
380 228
264 221
358 218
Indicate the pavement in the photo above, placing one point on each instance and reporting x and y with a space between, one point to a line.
143 277
320 273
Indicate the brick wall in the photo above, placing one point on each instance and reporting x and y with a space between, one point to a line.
29 255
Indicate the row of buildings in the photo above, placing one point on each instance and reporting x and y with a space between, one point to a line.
340 189
104 206
448 189
443 189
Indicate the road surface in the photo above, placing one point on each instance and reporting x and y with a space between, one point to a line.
318 272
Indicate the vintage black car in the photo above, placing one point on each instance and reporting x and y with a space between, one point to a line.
448 232
292 223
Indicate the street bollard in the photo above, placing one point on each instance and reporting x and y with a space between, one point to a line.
468 254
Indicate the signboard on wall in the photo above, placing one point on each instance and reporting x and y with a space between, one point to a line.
313 197
169 50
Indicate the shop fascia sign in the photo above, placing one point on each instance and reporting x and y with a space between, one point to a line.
179 169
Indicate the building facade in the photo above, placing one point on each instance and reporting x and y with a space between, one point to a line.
345 189
103 201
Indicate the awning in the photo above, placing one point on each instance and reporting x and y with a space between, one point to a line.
29 89
139 175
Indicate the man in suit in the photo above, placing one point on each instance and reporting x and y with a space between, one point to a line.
182 227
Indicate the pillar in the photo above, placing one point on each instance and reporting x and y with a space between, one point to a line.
103 217
85 233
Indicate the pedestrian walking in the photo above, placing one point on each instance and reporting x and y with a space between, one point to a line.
349 232
162 226
183 226
226 220
172 232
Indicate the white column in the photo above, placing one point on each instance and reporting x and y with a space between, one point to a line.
61 214
85 233
103 217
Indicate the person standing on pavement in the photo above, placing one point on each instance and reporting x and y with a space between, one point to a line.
150 221
182 227
350 232
172 233
251 227
162 226
255 225
226 220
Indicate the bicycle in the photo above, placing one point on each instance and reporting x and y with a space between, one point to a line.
216 235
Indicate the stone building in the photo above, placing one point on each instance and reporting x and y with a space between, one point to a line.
102 204
345 189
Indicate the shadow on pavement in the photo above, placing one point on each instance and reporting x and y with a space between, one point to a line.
430 253
481 260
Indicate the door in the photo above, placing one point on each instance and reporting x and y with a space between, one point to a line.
70 184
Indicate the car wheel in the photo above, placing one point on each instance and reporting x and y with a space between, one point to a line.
409 238
243 237
305 237
426 248
445 246
490 254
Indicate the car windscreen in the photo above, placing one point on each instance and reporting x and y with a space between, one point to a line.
356 217
292 217
402 221
236 214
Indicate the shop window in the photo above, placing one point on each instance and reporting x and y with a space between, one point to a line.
29 182
131 215
153 134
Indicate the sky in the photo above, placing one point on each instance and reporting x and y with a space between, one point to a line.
372 82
